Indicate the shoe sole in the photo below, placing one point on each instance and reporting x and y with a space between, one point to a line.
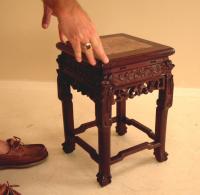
22 166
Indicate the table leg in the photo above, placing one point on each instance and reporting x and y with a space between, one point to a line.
103 109
121 128
64 94
164 102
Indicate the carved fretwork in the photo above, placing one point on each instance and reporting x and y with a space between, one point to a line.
83 78
142 73
141 88
85 89
169 65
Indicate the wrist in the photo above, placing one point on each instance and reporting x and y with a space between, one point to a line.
64 7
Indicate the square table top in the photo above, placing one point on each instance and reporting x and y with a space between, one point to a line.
123 48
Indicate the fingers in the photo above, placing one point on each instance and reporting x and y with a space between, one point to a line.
79 46
79 42
46 19
77 49
98 49
90 55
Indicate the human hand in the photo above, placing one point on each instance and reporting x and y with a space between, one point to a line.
76 26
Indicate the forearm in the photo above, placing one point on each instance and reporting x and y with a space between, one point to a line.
60 7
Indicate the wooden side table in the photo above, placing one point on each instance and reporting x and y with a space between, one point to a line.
136 67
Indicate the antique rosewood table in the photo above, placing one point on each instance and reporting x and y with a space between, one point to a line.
136 67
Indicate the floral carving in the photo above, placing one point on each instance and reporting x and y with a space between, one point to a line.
142 88
142 73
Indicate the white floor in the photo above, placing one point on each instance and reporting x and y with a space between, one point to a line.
31 110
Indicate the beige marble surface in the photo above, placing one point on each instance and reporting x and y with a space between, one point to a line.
120 44
31 111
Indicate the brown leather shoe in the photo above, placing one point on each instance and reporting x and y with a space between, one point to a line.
21 156
7 189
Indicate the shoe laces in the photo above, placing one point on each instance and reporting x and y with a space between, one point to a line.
15 143
9 189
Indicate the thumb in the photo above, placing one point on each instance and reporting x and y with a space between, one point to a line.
46 19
